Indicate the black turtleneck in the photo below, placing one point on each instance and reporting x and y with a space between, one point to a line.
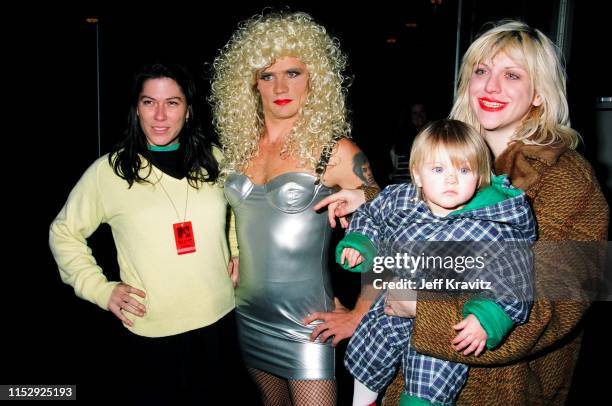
169 162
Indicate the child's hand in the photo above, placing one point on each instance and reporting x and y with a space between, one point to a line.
399 304
471 336
353 257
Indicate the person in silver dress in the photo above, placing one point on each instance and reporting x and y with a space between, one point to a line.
278 97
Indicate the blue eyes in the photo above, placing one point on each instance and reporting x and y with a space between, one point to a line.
462 171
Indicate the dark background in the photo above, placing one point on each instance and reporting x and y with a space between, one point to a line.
398 52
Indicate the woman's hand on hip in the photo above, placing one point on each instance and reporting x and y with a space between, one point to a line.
341 323
121 301
233 269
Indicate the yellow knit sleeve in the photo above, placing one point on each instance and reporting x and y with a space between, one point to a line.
233 238
78 219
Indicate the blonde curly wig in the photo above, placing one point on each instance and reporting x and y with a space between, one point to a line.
236 104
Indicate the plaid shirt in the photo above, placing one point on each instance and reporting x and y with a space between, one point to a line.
396 218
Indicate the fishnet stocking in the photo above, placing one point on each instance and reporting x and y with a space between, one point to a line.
274 390
313 393
277 391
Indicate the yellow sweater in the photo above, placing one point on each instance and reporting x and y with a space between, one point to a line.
183 292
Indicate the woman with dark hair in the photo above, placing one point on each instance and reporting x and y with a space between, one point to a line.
195 150
157 190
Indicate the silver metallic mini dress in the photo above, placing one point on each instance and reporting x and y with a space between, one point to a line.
284 274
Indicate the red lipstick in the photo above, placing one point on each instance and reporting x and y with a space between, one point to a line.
282 102
491 105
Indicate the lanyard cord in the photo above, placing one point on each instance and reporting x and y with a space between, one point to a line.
170 199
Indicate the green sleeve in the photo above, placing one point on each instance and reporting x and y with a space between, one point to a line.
492 318
362 244
409 400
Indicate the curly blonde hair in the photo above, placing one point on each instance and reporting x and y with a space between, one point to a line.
545 124
236 104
